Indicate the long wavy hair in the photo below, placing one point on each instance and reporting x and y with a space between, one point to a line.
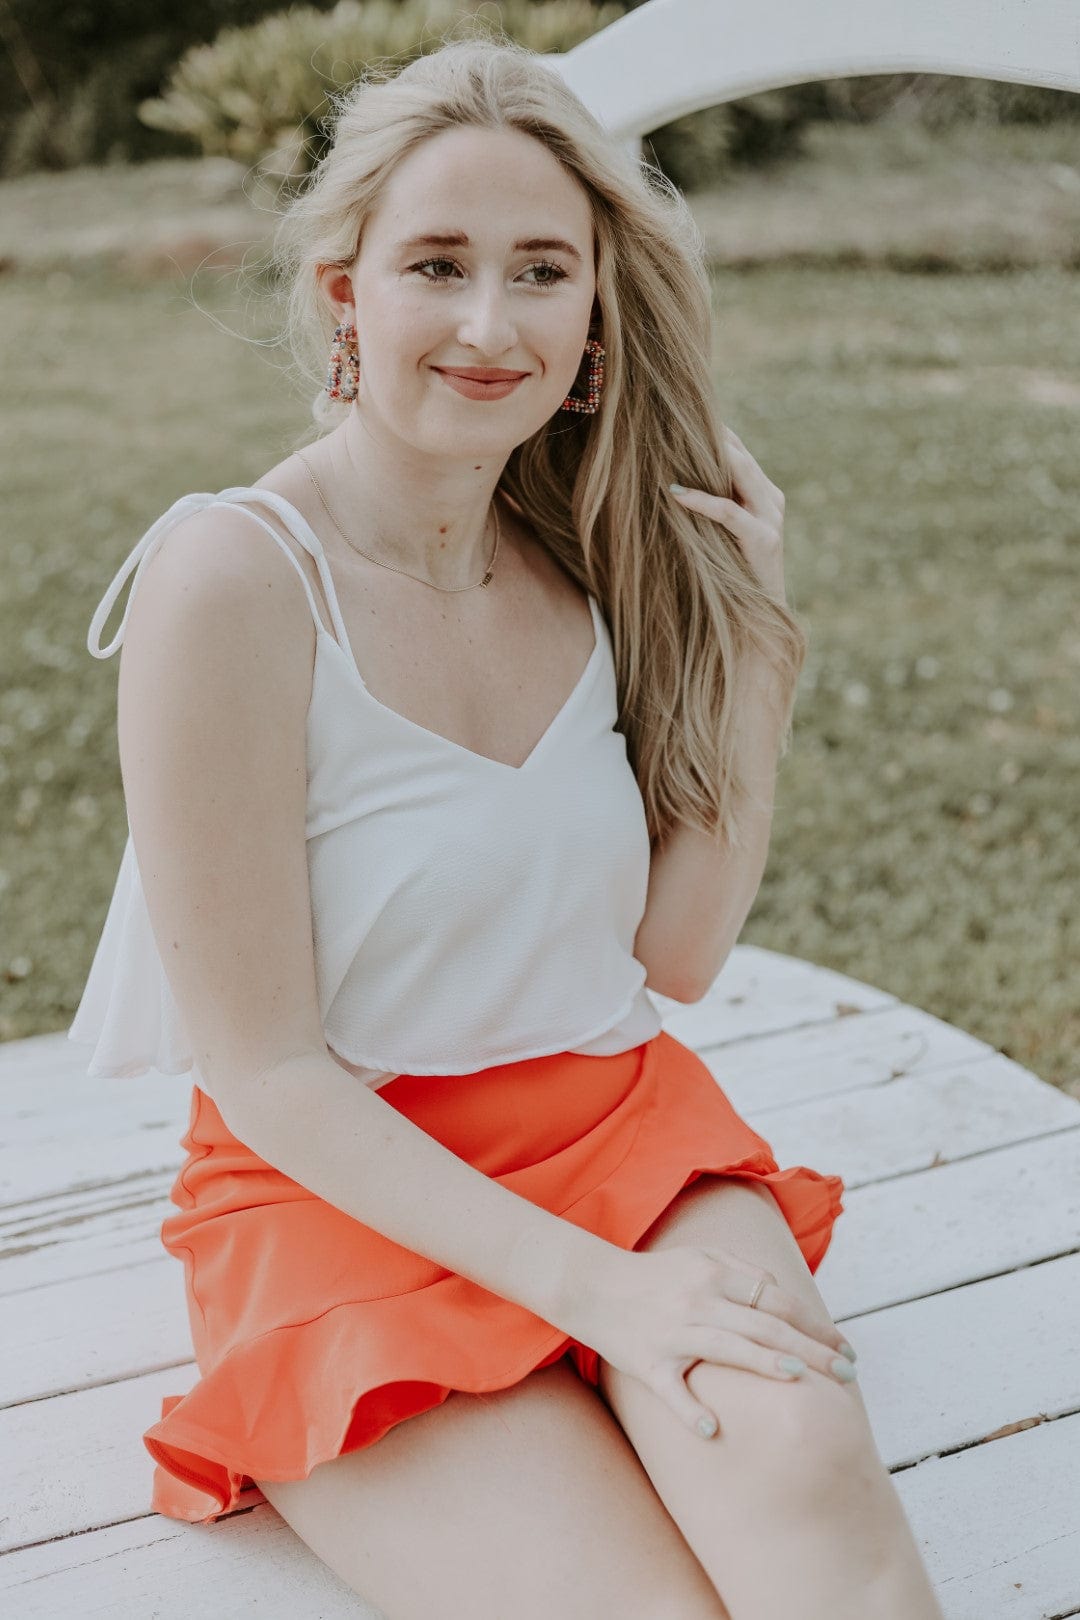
684 608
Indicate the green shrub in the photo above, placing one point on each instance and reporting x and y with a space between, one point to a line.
260 94
89 119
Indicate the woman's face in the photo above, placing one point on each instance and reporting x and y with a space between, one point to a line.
484 301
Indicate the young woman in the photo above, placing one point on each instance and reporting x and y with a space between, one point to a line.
443 744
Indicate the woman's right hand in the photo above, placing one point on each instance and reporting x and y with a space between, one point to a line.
658 1312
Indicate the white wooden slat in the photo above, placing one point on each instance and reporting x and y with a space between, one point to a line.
999 1524
44 1073
842 1055
154 1568
36 1058
911 1236
47 1240
75 1153
98 1470
672 57
45 1106
92 1330
759 992
918 1121
949 1370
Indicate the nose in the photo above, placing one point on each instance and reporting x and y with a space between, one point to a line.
486 322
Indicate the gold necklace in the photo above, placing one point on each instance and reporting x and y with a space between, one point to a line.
448 588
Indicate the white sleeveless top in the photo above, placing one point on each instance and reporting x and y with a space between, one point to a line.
465 912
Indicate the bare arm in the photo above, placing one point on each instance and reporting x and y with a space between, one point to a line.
337 1137
214 685
701 891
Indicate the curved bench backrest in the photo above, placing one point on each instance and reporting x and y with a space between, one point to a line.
672 57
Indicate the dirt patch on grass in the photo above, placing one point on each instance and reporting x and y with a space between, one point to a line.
1040 387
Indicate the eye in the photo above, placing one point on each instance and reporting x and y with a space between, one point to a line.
426 262
556 273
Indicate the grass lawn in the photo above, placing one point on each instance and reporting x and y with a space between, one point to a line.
924 428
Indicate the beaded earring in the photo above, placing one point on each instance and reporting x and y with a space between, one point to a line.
593 383
343 371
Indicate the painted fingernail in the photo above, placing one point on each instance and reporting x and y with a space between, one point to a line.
677 489
844 1370
791 1364
846 1350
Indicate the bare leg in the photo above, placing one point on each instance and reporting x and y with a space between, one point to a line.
528 1502
790 1508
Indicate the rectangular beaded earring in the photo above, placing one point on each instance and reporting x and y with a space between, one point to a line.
593 383
343 370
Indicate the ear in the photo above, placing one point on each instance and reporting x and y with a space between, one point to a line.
336 286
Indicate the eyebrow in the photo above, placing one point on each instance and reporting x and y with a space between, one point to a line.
530 244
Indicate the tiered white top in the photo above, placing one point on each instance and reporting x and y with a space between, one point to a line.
465 912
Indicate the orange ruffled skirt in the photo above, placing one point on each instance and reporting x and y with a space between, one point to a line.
314 1334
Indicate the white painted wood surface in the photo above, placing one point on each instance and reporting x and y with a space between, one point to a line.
954 1269
673 57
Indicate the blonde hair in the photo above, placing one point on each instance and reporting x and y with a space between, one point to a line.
683 606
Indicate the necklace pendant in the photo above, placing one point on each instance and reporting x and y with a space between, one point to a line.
489 575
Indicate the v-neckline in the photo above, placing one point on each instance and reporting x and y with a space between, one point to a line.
439 737
343 645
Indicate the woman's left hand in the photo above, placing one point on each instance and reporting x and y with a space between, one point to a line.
756 518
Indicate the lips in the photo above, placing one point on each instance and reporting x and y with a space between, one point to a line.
481 373
483 388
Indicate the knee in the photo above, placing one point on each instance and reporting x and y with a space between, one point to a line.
809 1440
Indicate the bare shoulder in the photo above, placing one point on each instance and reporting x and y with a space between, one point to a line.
219 591
223 545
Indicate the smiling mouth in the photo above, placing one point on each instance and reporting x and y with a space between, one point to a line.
471 374
478 389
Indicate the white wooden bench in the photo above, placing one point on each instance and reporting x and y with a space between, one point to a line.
954 1268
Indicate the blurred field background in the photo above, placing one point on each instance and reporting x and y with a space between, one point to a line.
895 269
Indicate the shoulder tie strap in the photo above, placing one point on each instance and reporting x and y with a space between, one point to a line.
134 561
305 536
137 557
